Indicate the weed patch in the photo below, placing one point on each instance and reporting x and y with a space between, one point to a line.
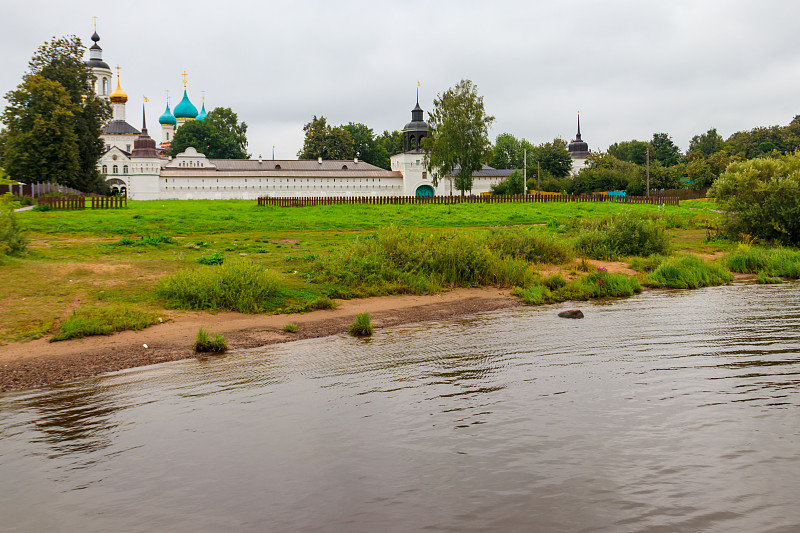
290 328
214 259
688 272
102 321
362 327
239 286
626 234
780 262
206 343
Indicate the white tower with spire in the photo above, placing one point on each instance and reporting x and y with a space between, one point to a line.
100 69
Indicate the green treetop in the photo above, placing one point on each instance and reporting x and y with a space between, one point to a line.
458 141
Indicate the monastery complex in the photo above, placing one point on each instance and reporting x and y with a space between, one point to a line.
136 167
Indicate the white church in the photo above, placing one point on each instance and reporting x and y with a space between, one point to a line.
134 165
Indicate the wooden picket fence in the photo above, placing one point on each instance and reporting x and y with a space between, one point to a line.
80 202
446 200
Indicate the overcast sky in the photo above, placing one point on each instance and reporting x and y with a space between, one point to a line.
632 67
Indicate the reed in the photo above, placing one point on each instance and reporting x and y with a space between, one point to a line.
362 327
206 343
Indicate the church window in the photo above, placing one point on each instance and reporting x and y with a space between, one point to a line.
127 147
125 169
167 135
105 86
115 169
105 169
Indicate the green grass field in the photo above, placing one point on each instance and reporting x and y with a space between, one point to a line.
95 260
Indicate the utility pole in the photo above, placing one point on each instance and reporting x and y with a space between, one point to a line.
538 177
524 171
648 172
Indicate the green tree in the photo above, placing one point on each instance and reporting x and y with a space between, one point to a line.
664 150
458 139
553 157
513 184
392 143
365 146
322 140
219 136
41 143
507 152
707 143
632 151
61 61
233 133
761 198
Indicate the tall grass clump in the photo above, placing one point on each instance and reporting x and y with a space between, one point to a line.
395 261
626 234
529 245
688 272
206 343
238 286
600 284
780 262
362 327
102 321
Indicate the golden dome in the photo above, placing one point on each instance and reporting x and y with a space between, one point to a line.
118 96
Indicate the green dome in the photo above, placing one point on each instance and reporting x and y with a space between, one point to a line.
185 109
203 113
167 117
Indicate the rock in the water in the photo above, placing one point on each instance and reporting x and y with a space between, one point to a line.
572 313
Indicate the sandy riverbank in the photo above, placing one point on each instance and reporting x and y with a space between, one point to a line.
39 362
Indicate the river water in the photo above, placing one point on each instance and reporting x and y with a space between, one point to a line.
670 411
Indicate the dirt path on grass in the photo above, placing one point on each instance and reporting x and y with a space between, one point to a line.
40 362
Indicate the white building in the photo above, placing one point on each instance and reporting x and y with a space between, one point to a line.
133 167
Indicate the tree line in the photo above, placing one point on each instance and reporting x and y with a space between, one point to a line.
349 141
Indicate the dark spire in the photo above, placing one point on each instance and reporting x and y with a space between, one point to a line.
144 123
578 148
144 146
578 137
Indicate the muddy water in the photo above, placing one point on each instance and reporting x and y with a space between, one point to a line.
673 411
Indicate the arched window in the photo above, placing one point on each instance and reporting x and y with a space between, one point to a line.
125 169
344 167
167 135
105 86
115 169
105 169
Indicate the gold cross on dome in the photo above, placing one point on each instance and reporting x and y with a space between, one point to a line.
184 79
204 96
95 23
167 96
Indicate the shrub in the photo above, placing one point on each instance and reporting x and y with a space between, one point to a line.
362 327
214 259
102 321
209 344
646 264
42 207
290 328
688 272
239 286
12 239
145 241
626 234
761 197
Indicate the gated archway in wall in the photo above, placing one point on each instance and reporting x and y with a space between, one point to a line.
425 191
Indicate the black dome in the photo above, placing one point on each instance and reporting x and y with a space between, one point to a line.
95 37
97 63
416 125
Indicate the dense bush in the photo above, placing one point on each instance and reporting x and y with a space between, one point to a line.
761 198
624 235
239 286
12 239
